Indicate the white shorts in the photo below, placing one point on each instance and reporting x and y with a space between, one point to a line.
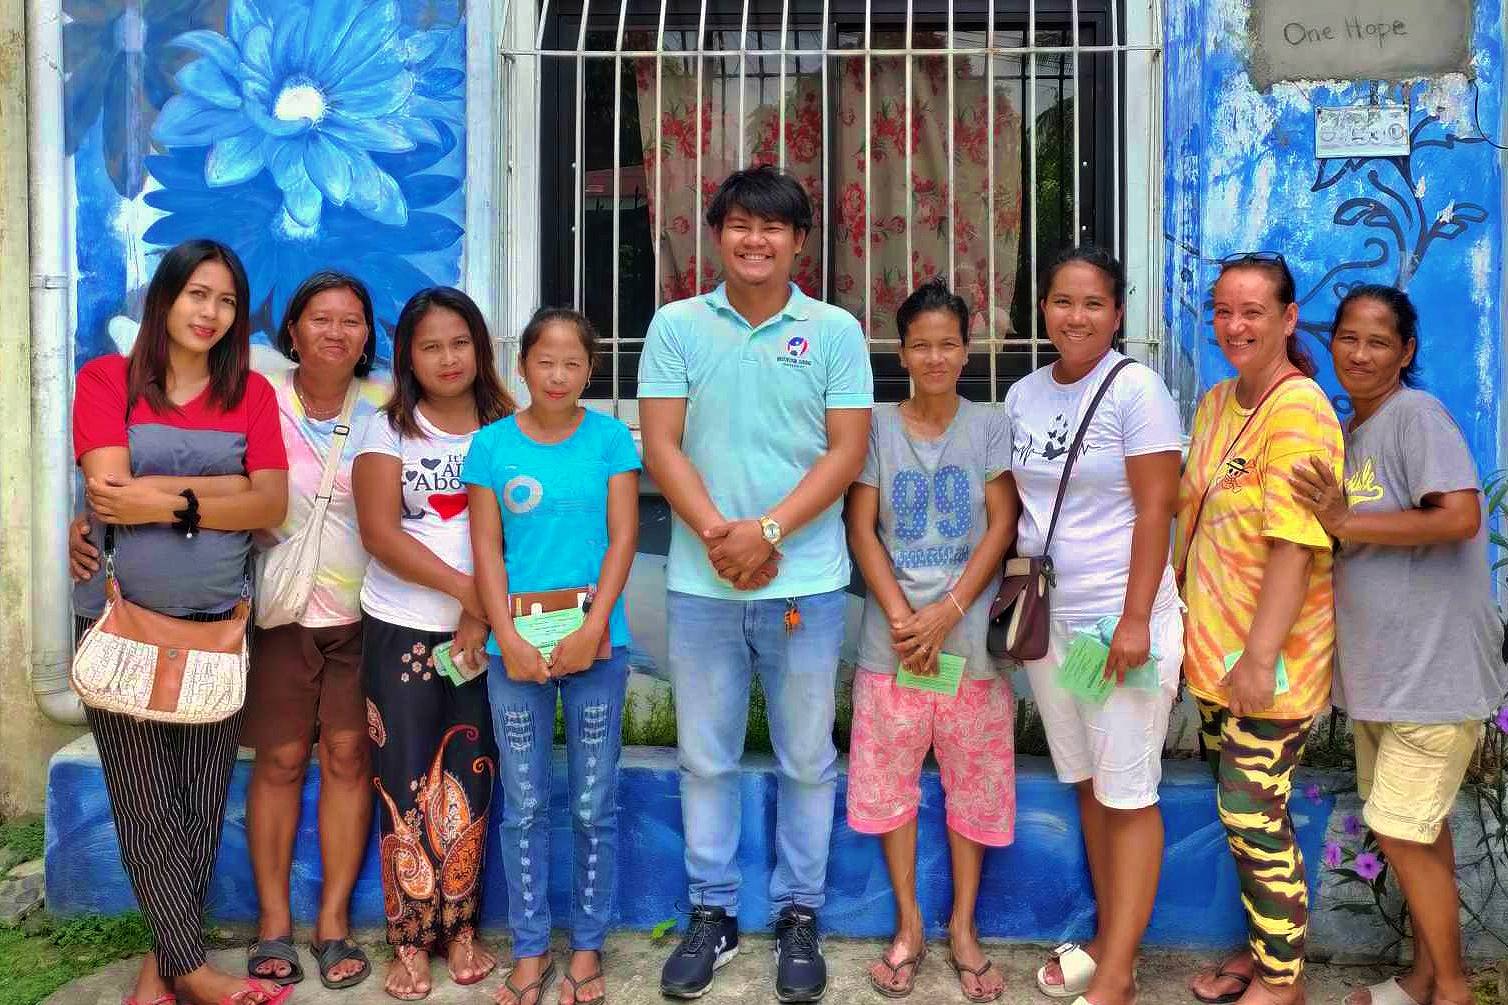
1117 744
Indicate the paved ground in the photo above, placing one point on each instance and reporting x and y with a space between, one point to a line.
633 967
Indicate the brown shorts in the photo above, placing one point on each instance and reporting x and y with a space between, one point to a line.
302 678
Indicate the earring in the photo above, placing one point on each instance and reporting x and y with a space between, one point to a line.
362 361
293 353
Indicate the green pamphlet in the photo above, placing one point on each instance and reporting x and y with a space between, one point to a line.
457 673
945 681
1281 675
1082 672
543 631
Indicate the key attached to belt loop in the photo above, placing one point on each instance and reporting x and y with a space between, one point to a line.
792 616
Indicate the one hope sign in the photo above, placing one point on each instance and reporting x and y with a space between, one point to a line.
1322 40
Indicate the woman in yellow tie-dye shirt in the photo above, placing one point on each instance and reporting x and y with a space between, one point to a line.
1255 568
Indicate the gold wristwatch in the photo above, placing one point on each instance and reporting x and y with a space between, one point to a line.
770 529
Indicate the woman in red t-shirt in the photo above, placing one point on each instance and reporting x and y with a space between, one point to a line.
181 424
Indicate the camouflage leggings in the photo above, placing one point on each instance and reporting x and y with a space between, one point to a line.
1253 762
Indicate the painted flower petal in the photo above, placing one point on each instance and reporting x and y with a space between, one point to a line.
284 128
377 100
186 121
427 189
380 66
329 23
301 197
256 52
203 79
420 130
213 46
234 159
329 165
368 134
374 193
240 17
377 24
288 42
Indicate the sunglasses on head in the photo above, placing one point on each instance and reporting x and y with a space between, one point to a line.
1246 257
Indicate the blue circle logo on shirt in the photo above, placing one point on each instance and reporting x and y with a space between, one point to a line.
797 346
522 493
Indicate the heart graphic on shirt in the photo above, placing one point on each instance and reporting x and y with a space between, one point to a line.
430 463
410 474
448 504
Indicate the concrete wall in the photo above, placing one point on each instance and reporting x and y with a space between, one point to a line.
1242 175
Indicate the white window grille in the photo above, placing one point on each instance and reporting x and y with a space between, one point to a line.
964 138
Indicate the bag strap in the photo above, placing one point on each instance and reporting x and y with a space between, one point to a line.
1073 451
1225 456
337 442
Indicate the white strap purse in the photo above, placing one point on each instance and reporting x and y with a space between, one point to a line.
285 572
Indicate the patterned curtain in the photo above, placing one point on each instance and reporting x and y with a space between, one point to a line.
925 194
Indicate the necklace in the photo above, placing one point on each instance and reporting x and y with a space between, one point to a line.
310 410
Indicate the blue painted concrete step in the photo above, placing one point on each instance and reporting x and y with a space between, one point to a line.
1037 889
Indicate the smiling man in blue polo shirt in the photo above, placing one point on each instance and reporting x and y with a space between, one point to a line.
754 401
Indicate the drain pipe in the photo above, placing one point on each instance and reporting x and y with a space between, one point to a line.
51 366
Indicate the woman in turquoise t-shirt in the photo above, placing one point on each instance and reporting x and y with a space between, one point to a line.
554 496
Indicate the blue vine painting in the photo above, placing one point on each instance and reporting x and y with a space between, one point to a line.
305 134
1242 175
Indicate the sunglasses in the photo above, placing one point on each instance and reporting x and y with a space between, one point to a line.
1247 257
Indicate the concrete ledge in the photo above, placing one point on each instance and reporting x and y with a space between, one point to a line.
1036 890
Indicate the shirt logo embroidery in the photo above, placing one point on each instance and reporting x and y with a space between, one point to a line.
796 348
1236 472
1363 486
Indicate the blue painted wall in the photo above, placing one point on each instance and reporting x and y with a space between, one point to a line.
1037 889
1241 175
304 134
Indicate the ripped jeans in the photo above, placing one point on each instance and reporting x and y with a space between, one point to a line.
523 716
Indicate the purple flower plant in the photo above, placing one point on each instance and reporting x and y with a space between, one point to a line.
1312 790
1351 825
1368 866
1502 719
1332 854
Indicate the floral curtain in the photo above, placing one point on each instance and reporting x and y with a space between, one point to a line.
925 195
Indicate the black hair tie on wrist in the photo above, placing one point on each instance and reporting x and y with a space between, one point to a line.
187 523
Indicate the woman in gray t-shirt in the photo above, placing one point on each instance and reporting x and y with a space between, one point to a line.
1418 637
929 521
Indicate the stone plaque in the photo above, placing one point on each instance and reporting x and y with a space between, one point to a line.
1358 39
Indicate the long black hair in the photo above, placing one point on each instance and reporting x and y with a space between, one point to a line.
312 287
493 402
229 359
1405 320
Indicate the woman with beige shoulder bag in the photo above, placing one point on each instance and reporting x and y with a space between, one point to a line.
182 460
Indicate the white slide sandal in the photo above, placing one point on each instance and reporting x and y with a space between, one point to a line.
1078 970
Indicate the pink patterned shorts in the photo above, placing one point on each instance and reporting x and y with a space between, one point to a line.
973 734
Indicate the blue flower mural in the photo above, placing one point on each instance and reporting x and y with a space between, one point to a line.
117 61
279 252
311 92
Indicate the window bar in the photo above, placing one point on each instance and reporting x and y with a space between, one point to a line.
827 159
1078 160
785 18
696 113
952 152
578 292
657 216
539 34
868 244
990 334
1031 177
963 50
743 64
1116 62
617 188
909 188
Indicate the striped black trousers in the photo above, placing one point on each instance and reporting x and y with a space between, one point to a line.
167 786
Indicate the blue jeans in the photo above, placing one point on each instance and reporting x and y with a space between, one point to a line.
715 648
523 717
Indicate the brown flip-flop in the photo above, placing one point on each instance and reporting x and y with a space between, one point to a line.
576 984
537 988
1229 997
914 962
959 970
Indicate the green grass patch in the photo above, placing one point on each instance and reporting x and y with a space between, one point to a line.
24 835
43 953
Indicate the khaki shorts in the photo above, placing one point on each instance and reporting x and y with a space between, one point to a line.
1409 774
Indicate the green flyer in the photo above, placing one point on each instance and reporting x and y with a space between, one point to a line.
945 681
543 631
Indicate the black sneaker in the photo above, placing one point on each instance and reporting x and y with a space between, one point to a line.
800 970
711 940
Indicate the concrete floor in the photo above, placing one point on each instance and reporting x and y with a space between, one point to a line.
633 969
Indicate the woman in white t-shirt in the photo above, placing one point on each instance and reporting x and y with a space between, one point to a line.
433 749
1113 581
